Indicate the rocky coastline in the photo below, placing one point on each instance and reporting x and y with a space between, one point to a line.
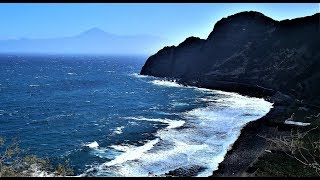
253 55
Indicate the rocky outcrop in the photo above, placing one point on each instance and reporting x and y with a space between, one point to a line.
248 53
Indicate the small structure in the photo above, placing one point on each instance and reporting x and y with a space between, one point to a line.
290 121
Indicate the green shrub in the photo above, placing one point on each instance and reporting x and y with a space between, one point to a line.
14 164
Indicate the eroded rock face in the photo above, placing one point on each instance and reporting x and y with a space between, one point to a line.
248 51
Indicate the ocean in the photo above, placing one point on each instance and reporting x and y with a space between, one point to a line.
107 120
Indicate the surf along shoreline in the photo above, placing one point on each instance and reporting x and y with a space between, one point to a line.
294 84
250 144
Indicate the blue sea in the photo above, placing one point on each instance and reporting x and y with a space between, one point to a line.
107 120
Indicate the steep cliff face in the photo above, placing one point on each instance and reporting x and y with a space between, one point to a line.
248 52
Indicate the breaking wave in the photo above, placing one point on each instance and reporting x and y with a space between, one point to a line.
200 138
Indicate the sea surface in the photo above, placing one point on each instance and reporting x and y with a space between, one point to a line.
107 120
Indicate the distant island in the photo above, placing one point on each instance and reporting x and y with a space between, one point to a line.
92 41
254 55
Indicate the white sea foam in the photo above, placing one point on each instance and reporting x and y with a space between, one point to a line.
70 73
175 104
165 113
132 153
123 147
34 85
163 82
118 130
166 83
92 145
207 134
174 83
172 123
102 152
138 75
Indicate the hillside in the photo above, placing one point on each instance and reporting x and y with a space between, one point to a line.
248 51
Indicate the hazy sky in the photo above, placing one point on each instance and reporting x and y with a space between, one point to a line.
173 21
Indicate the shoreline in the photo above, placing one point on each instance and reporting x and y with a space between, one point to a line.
247 148
250 145
251 150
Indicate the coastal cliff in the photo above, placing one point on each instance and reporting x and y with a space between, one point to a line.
254 55
248 51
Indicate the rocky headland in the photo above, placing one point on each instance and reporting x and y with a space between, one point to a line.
252 54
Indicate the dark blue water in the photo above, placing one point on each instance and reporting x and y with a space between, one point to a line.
100 114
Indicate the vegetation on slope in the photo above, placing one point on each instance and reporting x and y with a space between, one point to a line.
14 162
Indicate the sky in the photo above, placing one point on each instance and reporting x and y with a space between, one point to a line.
172 21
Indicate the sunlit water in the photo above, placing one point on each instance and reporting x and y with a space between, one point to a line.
108 120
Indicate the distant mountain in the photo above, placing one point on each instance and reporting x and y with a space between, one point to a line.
92 41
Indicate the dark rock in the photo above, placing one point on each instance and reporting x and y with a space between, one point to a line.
186 172
281 98
303 109
251 54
